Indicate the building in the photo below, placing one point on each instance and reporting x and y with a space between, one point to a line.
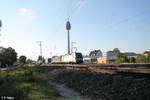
107 58
94 55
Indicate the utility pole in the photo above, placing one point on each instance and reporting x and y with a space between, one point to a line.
68 28
40 44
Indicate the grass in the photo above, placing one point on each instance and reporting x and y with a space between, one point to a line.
26 83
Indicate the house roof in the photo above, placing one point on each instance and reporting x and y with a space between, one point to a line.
129 54
94 53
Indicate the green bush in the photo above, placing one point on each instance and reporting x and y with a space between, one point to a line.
24 83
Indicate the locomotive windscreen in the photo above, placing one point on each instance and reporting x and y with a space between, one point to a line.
78 55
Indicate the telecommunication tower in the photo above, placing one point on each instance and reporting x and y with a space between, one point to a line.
68 28
0 24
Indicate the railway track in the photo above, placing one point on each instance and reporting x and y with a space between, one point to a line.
112 69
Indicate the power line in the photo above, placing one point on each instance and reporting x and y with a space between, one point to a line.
70 10
77 6
128 19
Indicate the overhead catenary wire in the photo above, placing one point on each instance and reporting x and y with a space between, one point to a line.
128 19
62 13
69 10
77 6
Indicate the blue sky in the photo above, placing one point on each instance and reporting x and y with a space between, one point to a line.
96 24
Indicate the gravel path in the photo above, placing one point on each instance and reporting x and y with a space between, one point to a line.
67 92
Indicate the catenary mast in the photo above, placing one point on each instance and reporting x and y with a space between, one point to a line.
40 44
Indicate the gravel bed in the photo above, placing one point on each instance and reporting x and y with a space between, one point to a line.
98 86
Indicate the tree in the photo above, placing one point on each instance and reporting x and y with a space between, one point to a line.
132 60
41 59
147 52
120 57
147 55
22 59
148 58
116 50
7 56
124 59
141 58
29 61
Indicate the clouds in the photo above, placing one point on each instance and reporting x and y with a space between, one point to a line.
25 19
27 13
23 10
20 29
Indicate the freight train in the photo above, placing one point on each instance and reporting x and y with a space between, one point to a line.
74 58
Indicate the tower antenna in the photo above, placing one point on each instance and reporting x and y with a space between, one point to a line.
68 28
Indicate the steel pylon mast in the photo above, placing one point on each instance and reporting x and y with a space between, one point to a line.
40 44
